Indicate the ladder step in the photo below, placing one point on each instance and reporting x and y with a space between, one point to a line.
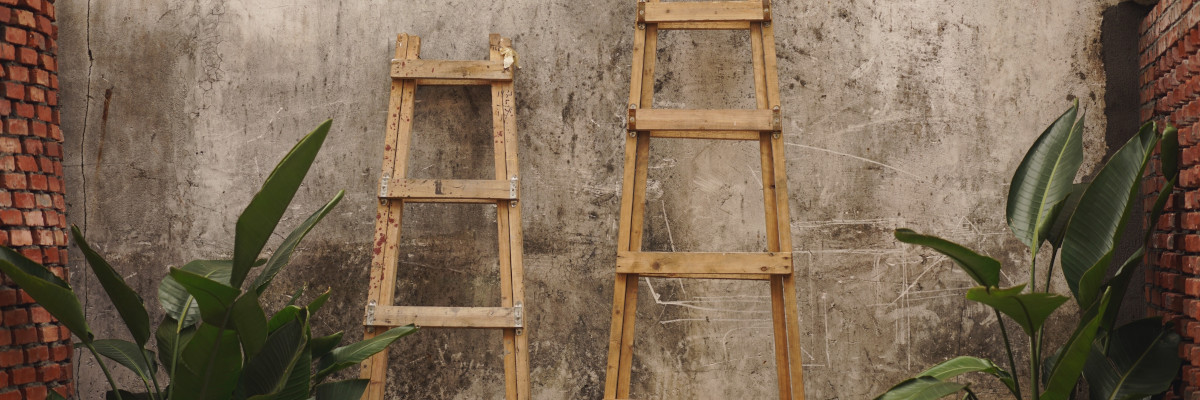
445 317
711 11
710 265
447 190
461 72
714 135
650 119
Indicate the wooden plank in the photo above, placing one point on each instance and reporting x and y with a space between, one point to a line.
502 222
452 189
452 201
508 105
702 11
453 82
649 119
705 26
450 69
389 214
741 277
711 135
704 263
447 317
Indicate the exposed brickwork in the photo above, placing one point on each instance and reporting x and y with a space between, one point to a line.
35 350
1170 79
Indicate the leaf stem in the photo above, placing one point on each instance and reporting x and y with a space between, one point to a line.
104 367
1035 344
1050 269
1033 269
1012 364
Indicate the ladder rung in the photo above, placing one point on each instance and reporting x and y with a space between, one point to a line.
705 26
715 135
649 119
708 264
414 190
428 70
712 11
445 317
744 277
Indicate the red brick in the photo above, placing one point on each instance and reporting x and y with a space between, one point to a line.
60 352
23 336
38 354
50 373
11 357
25 18
23 200
38 182
34 392
24 375
27 164
49 63
48 8
13 181
15 36
38 129
20 237
5 199
11 217
33 146
34 94
26 110
27 56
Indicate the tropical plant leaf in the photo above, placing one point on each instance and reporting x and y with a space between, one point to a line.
1044 178
250 322
285 315
318 302
172 338
984 270
1160 202
1074 354
1029 310
262 215
213 298
1063 215
341 390
48 290
323 345
1142 360
1169 152
177 302
964 364
267 373
1103 210
922 388
128 354
53 395
299 383
1119 284
129 305
283 253
212 362
356 353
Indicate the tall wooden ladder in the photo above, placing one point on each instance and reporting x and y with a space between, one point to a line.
395 189
762 124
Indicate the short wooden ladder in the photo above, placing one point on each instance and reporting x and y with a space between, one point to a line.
762 124
395 189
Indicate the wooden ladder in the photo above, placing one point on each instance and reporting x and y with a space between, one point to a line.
762 124
395 189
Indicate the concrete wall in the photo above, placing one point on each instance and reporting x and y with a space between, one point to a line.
905 113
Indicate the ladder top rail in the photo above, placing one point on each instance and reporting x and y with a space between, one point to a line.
451 69
708 11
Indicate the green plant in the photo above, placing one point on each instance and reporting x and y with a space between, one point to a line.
1083 222
215 341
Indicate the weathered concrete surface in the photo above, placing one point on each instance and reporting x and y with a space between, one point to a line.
905 113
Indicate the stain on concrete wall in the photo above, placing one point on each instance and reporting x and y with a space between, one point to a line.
905 113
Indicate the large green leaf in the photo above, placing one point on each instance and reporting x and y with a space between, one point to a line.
214 298
48 290
128 354
283 253
299 383
267 373
250 322
1044 178
1029 310
177 302
172 337
342 390
212 362
922 388
1074 354
1063 215
323 345
129 305
317 303
984 270
1160 202
1118 285
1142 360
1169 152
258 221
356 353
965 364
285 315
1103 211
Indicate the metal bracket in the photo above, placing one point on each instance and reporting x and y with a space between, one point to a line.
383 184
370 318
519 315
776 119
631 118
641 13
512 188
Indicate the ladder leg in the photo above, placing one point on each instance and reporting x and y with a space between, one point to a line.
389 214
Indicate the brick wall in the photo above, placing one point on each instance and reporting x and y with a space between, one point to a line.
1170 81
35 351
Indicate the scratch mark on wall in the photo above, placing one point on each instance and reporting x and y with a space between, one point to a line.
867 160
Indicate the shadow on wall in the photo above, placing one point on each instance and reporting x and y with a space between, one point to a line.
1119 52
